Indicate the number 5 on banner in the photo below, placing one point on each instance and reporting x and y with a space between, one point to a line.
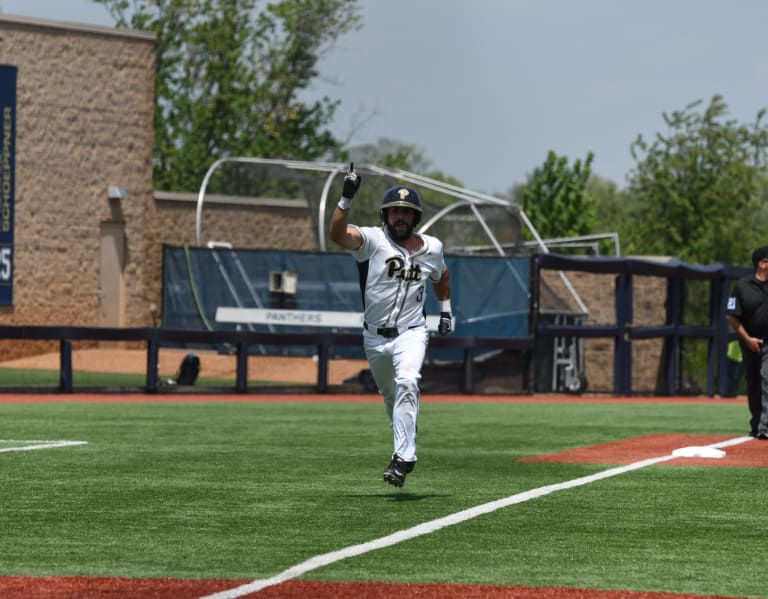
6 263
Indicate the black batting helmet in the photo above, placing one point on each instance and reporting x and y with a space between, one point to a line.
400 195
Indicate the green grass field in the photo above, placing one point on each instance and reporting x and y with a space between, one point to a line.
246 490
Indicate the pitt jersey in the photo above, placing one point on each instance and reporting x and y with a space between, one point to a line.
393 283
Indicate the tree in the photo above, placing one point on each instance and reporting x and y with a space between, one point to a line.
395 154
614 210
391 153
228 79
555 200
700 188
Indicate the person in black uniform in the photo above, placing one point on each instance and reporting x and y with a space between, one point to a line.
747 313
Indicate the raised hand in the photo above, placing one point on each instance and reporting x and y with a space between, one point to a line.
351 182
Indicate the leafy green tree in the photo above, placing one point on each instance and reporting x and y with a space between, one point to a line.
228 78
699 189
391 153
614 211
555 199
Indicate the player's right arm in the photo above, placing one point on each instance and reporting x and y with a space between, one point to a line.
347 237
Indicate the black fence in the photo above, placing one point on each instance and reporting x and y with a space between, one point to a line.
674 330
241 341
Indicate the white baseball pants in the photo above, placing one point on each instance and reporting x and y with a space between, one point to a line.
396 367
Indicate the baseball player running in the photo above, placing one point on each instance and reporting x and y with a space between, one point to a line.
395 264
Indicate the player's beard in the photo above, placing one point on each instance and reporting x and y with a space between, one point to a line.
402 234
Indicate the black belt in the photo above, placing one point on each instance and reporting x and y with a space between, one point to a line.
386 332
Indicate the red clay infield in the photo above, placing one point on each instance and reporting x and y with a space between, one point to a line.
76 587
752 453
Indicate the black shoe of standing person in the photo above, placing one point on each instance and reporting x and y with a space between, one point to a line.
396 471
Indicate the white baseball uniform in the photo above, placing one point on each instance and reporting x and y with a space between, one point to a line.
393 283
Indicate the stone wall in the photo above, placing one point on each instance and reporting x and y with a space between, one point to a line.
84 122
597 293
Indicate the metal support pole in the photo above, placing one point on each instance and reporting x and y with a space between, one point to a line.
65 366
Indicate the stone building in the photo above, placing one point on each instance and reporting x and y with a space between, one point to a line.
89 227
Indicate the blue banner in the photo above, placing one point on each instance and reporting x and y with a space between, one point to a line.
7 179
489 294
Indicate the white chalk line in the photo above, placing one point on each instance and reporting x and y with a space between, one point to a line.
434 525
37 444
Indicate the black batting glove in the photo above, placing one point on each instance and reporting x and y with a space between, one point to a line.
445 326
351 182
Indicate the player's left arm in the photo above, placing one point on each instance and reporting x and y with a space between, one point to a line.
443 292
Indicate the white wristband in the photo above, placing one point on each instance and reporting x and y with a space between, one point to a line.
345 203
445 305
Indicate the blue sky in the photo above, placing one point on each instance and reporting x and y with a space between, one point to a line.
486 88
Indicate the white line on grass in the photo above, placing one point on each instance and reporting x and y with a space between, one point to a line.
433 525
38 444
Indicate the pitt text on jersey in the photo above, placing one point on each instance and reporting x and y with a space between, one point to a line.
396 269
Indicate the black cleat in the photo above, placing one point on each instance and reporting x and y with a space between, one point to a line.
396 471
